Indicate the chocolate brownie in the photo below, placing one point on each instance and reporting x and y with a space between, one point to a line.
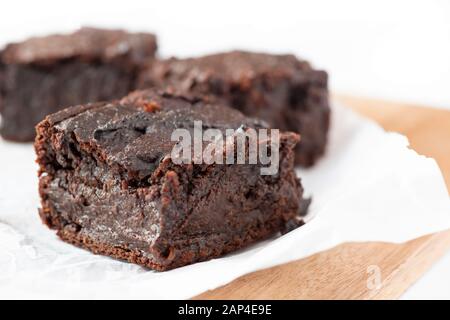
281 89
43 75
108 183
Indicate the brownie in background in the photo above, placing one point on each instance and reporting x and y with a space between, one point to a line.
281 89
43 75
108 183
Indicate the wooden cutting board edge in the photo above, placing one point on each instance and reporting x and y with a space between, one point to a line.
369 270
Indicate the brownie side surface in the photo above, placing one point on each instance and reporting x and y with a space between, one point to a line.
44 75
280 89
108 183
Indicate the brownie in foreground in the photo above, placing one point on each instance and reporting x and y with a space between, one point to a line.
280 89
108 183
43 75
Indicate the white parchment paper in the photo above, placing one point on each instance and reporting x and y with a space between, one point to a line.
369 187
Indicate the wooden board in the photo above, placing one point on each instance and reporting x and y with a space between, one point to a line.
346 272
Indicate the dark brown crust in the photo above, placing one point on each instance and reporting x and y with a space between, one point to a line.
280 89
168 217
43 75
87 44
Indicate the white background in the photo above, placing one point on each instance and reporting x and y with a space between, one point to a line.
398 50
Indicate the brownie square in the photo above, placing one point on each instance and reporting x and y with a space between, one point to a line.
108 183
43 75
280 89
